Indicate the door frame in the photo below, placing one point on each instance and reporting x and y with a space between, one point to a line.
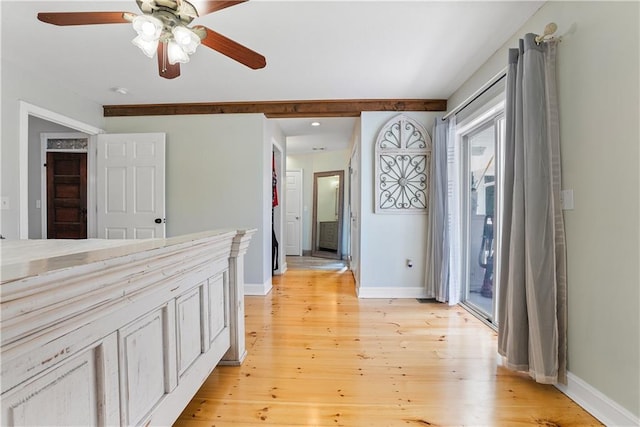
25 110
278 217
44 137
490 118
355 207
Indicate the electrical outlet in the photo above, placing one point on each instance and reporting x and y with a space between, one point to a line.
566 198
4 203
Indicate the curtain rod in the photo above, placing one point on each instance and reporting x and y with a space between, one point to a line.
475 95
548 32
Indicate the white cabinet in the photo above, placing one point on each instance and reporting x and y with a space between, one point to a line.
129 347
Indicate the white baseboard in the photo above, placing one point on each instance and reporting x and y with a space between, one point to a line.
280 271
257 289
597 404
385 292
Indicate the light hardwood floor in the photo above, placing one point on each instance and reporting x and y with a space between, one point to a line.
319 356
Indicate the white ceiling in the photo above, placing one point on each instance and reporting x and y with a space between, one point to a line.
315 50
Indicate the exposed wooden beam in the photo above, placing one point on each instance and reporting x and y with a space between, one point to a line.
280 109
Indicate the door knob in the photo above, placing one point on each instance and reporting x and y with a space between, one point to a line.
158 221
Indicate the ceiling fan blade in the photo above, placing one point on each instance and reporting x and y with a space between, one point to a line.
232 49
208 6
83 18
165 69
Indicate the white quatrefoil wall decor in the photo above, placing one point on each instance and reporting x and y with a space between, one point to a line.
403 167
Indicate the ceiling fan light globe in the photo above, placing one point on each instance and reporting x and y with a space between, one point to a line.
176 54
148 27
148 47
186 39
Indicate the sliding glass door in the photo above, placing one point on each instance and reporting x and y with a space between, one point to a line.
481 147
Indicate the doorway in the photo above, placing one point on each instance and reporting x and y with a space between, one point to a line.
278 255
66 195
481 146
328 199
28 111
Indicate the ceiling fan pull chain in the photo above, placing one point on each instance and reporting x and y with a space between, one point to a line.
164 57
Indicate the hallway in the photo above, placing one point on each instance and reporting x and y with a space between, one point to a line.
319 356
314 263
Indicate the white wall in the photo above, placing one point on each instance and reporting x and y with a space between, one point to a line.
22 85
218 175
311 163
388 240
598 83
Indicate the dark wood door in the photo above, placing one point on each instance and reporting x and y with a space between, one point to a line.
66 195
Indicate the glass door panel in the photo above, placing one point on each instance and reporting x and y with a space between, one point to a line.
480 204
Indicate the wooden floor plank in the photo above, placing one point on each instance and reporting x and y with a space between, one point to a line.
319 356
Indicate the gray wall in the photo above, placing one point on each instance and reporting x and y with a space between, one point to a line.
598 92
388 240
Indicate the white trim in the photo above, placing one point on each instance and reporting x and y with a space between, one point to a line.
27 110
391 292
256 289
596 403
281 270
477 93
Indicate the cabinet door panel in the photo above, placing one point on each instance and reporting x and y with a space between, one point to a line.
189 323
64 396
142 366
218 311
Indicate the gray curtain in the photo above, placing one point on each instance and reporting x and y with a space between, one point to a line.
437 265
532 301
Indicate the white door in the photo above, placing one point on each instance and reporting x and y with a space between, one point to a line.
130 186
294 213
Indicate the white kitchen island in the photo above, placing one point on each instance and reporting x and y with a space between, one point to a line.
104 332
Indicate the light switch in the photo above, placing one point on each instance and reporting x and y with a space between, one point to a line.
38 205
566 197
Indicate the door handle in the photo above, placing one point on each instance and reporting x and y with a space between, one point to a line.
297 217
158 221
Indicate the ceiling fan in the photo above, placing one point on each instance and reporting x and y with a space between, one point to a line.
163 28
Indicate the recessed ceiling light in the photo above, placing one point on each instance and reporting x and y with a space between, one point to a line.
120 90
315 123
